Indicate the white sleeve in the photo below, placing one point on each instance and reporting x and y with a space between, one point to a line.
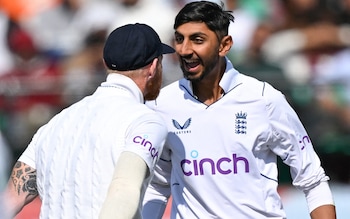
291 142
318 196
28 156
149 132
124 193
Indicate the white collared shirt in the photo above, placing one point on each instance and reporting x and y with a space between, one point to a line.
223 156
76 152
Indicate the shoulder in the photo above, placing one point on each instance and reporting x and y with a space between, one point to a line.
172 93
176 86
251 86
146 114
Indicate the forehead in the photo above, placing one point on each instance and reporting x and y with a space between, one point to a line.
193 28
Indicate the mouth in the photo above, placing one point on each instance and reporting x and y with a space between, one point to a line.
191 65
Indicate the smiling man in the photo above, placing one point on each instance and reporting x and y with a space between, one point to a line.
226 131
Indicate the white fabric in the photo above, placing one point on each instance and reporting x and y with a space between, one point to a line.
318 196
76 152
223 156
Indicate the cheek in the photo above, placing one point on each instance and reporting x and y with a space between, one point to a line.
207 52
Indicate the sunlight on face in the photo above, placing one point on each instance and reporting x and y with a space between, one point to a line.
198 50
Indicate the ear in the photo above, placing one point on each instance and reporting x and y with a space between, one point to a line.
153 68
104 63
225 45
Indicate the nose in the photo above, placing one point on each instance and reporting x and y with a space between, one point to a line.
184 48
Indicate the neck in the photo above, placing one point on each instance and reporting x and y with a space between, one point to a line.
207 94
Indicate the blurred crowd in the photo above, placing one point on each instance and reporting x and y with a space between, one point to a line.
51 56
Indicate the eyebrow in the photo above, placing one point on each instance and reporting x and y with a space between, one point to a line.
193 34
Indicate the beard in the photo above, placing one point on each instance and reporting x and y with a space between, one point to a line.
209 66
152 94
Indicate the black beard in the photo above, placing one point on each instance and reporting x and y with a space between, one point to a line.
206 72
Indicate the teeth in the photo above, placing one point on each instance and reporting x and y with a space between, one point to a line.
189 61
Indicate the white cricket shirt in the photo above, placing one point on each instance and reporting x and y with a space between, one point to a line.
222 157
76 152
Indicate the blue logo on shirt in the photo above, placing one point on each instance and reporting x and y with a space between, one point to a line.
183 127
241 123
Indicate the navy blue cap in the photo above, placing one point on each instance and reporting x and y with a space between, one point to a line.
133 46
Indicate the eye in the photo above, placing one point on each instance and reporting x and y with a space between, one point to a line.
179 39
198 40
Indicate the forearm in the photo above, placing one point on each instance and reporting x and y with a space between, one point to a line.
320 202
324 212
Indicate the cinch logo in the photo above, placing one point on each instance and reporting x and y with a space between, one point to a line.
304 142
182 127
196 167
143 141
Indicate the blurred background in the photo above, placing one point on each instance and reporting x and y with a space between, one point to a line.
51 57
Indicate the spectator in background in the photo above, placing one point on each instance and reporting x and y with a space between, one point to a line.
6 61
333 76
254 23
61 30
30 92
158 14
151 12
248 16
84 70
314 58
307 33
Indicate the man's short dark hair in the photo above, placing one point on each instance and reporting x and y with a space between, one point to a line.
212 14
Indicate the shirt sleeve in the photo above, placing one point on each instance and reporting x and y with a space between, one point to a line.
145 137
28 156
292 143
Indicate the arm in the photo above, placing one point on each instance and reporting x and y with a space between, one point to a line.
324 212
320 202
124 193
21 188
295 148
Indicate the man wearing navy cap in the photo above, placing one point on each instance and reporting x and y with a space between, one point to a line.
100 152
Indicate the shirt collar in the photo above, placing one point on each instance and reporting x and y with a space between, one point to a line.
229 78
227 82
124 83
